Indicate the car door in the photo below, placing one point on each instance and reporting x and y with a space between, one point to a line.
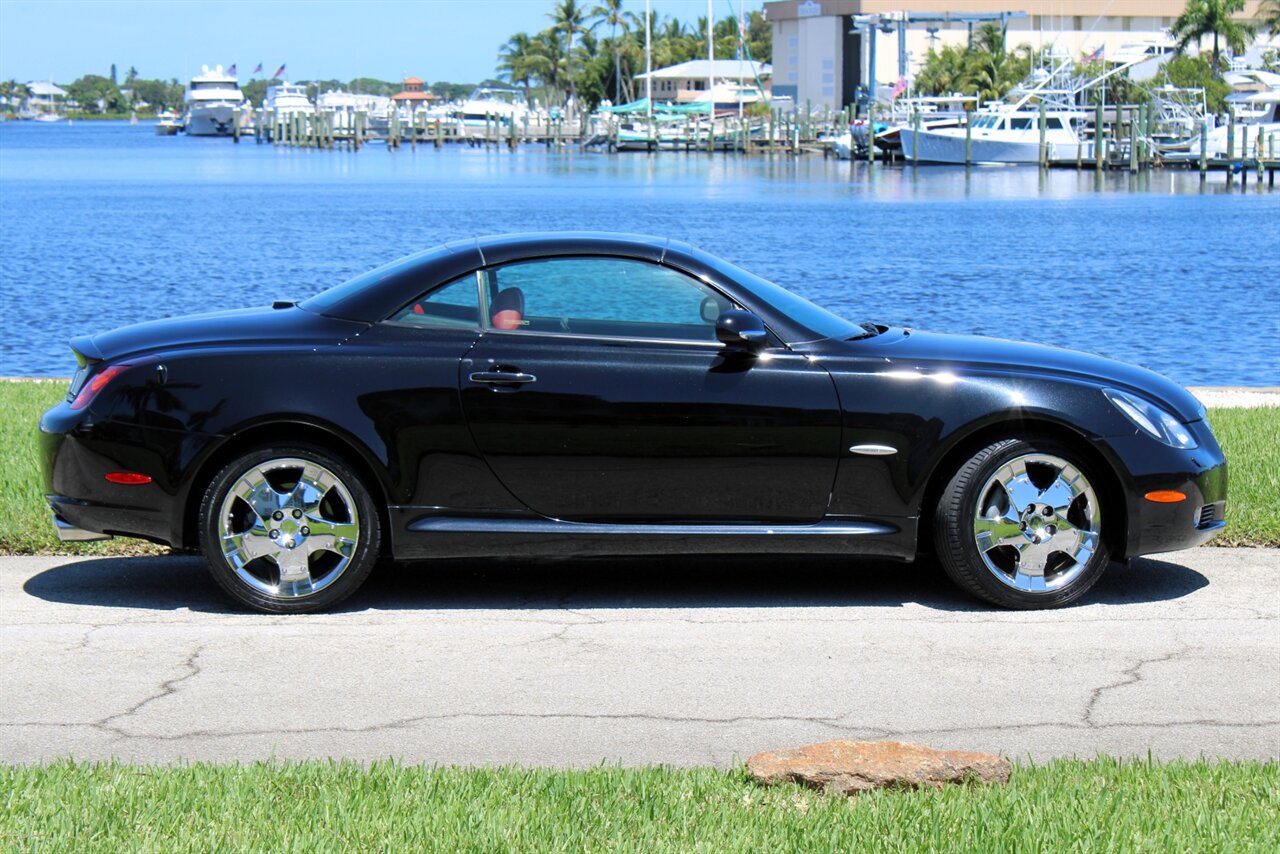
598 392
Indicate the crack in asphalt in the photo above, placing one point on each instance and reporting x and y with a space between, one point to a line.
1131 675
167 688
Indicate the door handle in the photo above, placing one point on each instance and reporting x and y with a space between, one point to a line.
502 377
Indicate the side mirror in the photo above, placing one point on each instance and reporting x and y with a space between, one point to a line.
741 330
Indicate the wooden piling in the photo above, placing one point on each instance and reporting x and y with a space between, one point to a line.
1044 142
1133 141
871 134
1099 137
915 137
1204 148
1231 136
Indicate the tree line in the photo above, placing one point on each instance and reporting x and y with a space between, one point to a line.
589 55
96 94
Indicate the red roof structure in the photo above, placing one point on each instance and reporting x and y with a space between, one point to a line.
413 91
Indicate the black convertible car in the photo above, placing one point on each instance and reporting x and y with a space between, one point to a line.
570 394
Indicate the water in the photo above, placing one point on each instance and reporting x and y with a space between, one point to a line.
105 224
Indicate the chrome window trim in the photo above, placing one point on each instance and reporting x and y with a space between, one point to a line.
602 338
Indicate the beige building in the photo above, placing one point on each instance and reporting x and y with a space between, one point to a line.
820 53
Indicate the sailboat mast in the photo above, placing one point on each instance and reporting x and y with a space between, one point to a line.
711 68
648 64
742 39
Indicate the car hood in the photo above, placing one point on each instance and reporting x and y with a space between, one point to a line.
968 351
241 326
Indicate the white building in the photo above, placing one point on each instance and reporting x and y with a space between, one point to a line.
820 54
688 82
45 97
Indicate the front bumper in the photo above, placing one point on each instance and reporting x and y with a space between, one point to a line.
1200 474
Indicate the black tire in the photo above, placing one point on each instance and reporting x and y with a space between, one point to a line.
336 558
994 573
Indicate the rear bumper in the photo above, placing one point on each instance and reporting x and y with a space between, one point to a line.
69 533
76 454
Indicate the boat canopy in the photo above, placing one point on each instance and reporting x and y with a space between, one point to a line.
642 106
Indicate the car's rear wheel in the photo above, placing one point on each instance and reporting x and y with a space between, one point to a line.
1020 524
289 530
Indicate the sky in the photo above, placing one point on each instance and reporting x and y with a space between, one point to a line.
453 40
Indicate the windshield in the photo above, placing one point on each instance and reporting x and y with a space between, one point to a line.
821 322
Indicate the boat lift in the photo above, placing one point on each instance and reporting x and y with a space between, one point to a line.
885 22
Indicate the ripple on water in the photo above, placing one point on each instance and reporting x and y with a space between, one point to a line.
107 224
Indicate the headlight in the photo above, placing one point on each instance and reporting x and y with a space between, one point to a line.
1151 419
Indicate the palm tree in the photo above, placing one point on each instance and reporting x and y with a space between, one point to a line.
550 60
672 44
1204 17
1269 15
568 18
519 61
610 12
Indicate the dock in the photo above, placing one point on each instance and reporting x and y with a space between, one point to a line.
1120 139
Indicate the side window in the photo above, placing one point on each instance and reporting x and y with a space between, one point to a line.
602 296
456 304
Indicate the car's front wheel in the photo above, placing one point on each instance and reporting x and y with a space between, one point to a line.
289 530
1020 524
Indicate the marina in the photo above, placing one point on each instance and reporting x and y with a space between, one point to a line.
1055 118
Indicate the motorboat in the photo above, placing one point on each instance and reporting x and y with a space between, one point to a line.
1256 130
286 99
1048 107
1000 134
487 103
345 105
168 127
213 102
928 112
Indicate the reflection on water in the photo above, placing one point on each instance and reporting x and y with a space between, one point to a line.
107 224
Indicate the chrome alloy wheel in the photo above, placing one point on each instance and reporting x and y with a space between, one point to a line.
288 527
1037 523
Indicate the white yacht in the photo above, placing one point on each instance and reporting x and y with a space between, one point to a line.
286 99
1257 115
1010 131
1000 134
507 104
344 106
213 100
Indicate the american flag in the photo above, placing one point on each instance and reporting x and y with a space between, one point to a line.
279 72
257 68
231 72
1097 54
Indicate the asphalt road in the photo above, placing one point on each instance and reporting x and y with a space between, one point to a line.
575 663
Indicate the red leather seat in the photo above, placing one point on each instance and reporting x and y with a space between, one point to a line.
507 309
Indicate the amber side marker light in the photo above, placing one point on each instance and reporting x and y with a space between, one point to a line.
128 478
1166 496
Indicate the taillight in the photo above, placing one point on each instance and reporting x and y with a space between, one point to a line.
96 384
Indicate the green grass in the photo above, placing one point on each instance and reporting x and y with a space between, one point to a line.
1251 440
27 528
1250 437
1067 805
